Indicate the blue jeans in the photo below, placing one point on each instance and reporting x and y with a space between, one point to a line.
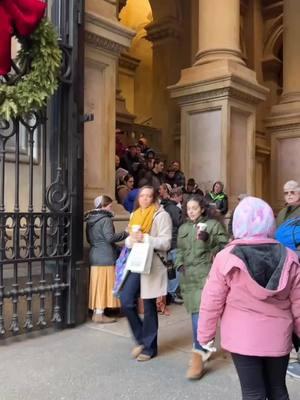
196 344
144 331
173 283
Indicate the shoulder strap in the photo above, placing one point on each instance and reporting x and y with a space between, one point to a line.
161 258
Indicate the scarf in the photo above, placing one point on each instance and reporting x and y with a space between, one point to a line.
217 196
144 218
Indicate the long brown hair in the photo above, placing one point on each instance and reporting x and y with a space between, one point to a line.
201 202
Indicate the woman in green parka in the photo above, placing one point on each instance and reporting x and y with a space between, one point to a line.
199 240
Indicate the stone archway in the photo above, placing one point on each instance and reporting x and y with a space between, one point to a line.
272 53
135 74
165 34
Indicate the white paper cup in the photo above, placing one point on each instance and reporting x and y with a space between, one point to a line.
136 228
201 227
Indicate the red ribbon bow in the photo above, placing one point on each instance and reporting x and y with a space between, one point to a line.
21 16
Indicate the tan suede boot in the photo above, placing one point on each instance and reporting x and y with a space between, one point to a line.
103 319
196 367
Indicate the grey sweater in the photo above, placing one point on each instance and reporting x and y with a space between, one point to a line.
101 236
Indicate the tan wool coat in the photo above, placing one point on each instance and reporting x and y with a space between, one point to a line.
156 283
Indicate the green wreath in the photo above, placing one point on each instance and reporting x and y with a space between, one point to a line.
31 91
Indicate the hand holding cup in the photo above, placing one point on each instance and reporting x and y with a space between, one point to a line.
201 231
136 233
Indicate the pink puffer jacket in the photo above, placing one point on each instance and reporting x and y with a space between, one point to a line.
254 288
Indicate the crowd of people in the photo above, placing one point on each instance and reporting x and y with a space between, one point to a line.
140 165
235 273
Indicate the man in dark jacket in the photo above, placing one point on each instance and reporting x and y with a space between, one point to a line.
175 213
130 161
179 177
158 176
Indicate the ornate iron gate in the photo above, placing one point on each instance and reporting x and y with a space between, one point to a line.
41 197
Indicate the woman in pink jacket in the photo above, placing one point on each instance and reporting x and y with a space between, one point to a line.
254 288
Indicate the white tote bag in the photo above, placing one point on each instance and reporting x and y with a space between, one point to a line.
140 258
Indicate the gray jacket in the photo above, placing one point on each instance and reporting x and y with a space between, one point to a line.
101 236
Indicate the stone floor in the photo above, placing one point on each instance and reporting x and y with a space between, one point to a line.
92 362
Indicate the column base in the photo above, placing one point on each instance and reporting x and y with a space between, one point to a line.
208 56
222 76
218 112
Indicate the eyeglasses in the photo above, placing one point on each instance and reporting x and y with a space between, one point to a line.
291 192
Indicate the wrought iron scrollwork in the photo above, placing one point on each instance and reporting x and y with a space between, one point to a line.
66 68
57 198
36 212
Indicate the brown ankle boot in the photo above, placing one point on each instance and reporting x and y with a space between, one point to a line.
195 370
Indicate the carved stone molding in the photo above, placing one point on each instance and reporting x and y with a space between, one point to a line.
233 87
104 43
263 151
284 126
218 94
126 61
106 34
284 117
168 28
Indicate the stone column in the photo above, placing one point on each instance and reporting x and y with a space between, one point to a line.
105 39
165 37
284 120
219 31
291 51
218 97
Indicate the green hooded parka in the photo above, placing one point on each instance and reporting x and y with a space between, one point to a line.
196 257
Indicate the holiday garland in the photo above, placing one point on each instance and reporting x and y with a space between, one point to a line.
31 91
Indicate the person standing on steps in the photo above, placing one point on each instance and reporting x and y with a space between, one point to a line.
287 221
218 197
291 191
102 238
